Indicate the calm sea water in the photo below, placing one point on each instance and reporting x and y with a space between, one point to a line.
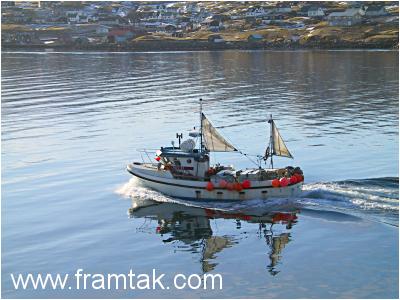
72 121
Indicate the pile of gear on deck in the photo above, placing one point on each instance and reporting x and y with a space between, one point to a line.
230 175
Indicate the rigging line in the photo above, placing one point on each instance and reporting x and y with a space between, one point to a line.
248 154
232 144
245 155
238 150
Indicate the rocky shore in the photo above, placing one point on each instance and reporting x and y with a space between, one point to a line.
201 45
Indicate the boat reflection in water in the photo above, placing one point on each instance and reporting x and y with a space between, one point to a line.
191 225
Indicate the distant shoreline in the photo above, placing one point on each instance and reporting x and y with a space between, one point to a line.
205 46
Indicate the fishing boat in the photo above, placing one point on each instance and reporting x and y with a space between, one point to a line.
184 171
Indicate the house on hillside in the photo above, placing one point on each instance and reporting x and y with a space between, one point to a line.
190 8
200 17
315 12
109 20
172 8
212 25
283 8
165 16
304 10
375 11
215 25
147 16
256 12
76 17
122 11
348 17
16 15
153 7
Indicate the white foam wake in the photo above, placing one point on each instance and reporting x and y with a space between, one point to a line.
364 197
133 189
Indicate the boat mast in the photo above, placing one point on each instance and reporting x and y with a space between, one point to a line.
201 125
271 139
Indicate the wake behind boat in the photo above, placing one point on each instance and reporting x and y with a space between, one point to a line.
185 172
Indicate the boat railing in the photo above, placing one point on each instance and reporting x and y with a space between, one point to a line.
146 154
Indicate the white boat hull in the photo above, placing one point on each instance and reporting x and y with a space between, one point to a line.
196 190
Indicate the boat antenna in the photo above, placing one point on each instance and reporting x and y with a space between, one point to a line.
179 137
271 139
201 125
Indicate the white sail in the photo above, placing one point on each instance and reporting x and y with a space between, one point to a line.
212 139
279 147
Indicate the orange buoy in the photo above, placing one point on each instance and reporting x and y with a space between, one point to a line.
229 186
238 186
284 217
299 177
222 183
293 179
276 183
284 181
246 184
209 186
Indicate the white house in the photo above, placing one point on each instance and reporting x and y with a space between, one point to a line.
256 12
166 16
314 12
77 17
122 11
212 25
153 6
159 16
191 7
199 17
350 17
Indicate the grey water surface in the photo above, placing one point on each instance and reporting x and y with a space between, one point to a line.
72 121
